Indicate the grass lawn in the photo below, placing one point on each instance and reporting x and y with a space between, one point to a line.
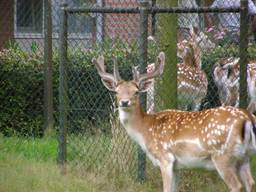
30 165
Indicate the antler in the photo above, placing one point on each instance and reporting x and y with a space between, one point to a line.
100 66
159 68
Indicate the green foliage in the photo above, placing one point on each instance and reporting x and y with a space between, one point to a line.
21 88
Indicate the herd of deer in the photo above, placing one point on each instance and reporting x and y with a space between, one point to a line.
222 138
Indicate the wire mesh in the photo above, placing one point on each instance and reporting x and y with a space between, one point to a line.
207 74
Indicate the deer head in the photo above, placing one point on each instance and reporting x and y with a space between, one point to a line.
226 77
190 51
126 91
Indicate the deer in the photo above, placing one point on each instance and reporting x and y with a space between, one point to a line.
226 77
192 80
222 139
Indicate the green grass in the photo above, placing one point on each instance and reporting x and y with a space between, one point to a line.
36 149
30 165
19 174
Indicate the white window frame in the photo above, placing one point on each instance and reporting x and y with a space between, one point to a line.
33 35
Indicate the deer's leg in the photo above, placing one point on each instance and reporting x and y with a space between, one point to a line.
252 106
228 171
246 176
196 105
168 176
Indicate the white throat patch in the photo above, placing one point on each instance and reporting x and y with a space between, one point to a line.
132 131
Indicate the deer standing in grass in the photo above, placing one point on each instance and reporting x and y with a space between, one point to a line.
222 138
226 77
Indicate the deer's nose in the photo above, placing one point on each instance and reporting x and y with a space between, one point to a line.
125 103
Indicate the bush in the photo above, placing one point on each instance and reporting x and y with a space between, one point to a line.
21 92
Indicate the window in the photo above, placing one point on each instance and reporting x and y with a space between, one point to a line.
29 16
82 24
29 19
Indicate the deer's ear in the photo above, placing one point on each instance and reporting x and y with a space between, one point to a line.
109 83
146 85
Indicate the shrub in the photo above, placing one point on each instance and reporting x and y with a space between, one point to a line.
21 91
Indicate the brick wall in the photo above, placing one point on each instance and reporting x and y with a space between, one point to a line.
6 21
124 26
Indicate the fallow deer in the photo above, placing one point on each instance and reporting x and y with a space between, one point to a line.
221 138
226 77
191 79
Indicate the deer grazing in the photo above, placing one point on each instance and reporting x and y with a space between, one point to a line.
226 77
221 138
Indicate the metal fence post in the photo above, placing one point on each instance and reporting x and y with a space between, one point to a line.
63 104
143 64
153 17
48 88
243 53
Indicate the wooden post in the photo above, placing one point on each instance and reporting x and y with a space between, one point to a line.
167 30
243 53
48 73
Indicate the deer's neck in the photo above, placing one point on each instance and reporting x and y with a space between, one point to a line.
134 120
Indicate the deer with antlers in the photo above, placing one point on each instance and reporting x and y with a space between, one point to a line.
226 77
221 138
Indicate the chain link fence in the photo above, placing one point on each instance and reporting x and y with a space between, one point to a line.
203 42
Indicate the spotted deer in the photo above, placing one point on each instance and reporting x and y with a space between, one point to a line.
191 80
226 77
221 138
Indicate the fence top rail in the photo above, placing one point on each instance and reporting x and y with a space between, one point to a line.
152 10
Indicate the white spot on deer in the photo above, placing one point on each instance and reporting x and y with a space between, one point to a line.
165 146
191 141
214 142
